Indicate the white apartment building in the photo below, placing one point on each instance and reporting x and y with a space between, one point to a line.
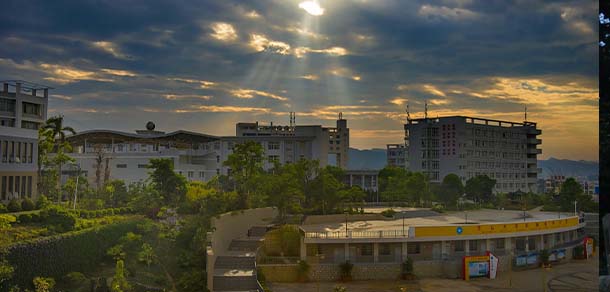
102 154
467 146
23 109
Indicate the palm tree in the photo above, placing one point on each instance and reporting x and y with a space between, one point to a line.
59 132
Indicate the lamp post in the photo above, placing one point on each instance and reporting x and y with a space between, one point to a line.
575 202
403 223
76 187
346 234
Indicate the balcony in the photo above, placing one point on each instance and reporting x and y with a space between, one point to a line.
534 151
534 141
534 132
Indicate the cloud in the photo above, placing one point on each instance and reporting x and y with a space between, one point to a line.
223 31
446 13
203 84
261 43
251 93
310 77
312 7
344 72
223 109
186 96
333 51
110 48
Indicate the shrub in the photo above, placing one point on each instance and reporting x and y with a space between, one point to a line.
302 270
285 241
388 213
25 218
75 278
35 218
3 208
346 270
27 204
6 220
42 202
13 206
544 256
407 266
438 208
58 217
43 284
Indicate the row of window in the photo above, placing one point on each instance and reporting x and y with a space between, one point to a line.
495 164
497 134
495 154
15 187
17 152
498 144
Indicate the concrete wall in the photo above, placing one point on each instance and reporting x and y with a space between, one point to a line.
229 226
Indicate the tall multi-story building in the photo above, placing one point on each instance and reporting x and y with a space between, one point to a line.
108 154
23 109
467 146
396 155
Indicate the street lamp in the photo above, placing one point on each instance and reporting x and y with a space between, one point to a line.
403 223
575 202
76 187
346 234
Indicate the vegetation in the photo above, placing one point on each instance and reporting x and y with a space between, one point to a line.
284 241
480 189
388 213
346 271
302 271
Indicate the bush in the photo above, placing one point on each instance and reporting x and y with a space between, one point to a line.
388 213
25 218
27 205
438 208
3 208
14 206
6 220
42 202
302 270
59 218
346 270
407 266
35 218
75 278
285 241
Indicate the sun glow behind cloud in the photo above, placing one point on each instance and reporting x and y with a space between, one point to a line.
312 7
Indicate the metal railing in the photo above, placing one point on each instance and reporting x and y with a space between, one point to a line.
358 234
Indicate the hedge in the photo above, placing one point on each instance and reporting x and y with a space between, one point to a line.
55 256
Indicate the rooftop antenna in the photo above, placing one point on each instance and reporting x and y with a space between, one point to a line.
408 114
525 120
340 116
426 110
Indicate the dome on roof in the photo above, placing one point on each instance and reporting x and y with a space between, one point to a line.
150 126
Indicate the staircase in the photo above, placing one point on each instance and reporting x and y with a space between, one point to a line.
236 271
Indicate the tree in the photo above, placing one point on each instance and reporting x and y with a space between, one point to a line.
58 131
451 189
116 194
480 188
170 185
570 192
43 284
245 163
146 255
100 157
325 191
119 282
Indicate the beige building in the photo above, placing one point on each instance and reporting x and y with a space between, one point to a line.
23 109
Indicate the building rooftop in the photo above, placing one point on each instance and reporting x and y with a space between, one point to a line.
480 121
428 218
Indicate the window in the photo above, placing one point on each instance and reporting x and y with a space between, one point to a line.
473 245
500 243
29 186
413 248
520 244
217 159
3 190
531 242
17 182
121 166
190 174
7 105
142 165
7 122
273 158
31 109
384 249
366 249
273 145
459 246
29 125
202 174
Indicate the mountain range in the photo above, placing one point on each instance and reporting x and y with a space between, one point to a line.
376 159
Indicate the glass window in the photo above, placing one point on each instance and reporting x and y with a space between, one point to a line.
473 245
384 249
500 243
366 249
459 246
413 248
121 166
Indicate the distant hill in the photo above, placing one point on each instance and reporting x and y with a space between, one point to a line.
376 159
366 159
580 168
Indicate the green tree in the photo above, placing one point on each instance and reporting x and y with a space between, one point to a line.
480 188
115 193
389 172
451 189
119 281
170 185
146 255
572 191
245 164
6 270
43 284
325 191
57 130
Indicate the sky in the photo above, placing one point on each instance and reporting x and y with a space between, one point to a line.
205 65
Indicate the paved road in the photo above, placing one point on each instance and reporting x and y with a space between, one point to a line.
572 282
